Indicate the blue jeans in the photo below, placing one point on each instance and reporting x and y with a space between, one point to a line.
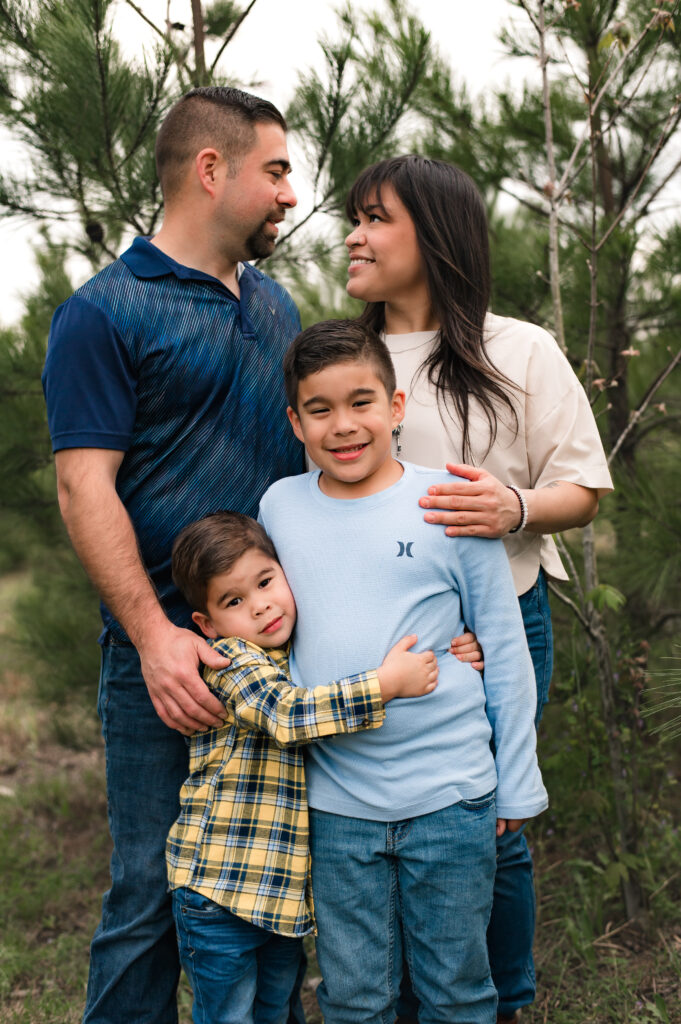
511 930
134 964
419 888
239 973
510 935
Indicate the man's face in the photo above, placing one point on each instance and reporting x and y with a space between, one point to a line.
253 202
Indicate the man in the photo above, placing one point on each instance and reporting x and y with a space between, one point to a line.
165 402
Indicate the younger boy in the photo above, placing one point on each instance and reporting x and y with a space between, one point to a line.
402 820
238 860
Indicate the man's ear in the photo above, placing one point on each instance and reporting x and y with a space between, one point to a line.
205 625
207 162
294 420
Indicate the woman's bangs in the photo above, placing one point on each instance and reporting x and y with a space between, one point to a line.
366 189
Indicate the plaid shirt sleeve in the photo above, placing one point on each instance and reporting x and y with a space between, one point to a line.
257 691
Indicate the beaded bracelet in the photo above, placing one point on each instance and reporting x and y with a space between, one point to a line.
523 509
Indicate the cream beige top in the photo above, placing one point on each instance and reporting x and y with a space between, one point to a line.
557 438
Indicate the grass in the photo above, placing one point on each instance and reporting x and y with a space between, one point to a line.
53 861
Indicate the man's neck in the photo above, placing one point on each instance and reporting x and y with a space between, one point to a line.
187 250
384 478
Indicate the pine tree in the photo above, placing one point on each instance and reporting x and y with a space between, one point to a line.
589 152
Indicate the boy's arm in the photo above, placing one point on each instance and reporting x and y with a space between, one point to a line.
261 696
490 606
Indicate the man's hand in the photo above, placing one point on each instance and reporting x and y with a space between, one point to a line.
479 506
467 648
171 662
512 824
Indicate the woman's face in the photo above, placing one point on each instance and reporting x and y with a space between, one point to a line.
385 260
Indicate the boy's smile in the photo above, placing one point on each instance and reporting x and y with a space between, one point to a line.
253 601
346 420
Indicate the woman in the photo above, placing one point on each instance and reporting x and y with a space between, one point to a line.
496 401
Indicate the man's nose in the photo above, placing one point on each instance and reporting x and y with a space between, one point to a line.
287 196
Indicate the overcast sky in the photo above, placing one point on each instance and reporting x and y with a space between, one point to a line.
275 42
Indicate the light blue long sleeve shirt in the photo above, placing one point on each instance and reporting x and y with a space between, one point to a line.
365 572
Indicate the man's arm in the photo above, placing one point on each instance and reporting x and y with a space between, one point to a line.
105 542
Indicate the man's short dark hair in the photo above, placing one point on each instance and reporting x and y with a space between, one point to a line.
335 341
212 546
215 116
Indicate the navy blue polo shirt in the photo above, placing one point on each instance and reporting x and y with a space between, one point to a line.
162 362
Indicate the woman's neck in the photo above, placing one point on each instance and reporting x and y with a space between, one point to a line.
410 317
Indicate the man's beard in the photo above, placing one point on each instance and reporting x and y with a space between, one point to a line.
259 245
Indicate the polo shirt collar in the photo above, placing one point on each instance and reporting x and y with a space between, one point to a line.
147 261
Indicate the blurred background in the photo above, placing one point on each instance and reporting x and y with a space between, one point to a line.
566 114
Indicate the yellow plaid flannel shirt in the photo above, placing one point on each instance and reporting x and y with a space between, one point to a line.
241 838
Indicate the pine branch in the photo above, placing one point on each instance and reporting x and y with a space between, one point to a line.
665 136
20 37
579 614
150 23
561 187
574 575
151 110
230 35
662 184
635 416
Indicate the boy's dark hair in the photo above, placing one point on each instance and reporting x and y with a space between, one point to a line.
212 546
213 115
335 341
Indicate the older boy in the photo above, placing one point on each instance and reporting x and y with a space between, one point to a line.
403 819
238 858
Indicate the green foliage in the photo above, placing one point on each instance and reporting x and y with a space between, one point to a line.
350 117
220 17
55 621
89 118
56 626
27 506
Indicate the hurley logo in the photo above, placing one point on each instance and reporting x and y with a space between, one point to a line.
405 549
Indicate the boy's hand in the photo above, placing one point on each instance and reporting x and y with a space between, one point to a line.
406 674
467 648
512 824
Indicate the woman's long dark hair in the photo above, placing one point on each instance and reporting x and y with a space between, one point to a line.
451 230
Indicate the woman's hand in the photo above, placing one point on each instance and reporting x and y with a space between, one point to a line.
479 506
467 648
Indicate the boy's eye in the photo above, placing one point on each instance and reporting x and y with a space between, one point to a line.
362 401
316 412
265 582
234 602
373 217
